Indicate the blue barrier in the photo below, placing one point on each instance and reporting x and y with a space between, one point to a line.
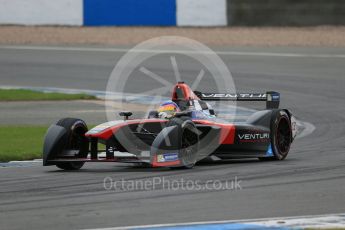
129 12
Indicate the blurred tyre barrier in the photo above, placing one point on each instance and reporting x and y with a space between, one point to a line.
285 12
173 12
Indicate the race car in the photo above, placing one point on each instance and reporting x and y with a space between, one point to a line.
178 134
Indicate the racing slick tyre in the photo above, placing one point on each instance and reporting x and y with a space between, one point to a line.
189 146
75 140
281 135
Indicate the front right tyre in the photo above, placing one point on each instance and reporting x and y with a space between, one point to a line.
189 140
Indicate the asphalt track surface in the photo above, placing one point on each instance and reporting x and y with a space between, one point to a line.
310 181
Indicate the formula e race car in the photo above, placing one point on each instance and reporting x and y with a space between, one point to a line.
178 134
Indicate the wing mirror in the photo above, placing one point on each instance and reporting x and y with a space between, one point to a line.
125 115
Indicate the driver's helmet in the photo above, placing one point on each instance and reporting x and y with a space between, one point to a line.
167 110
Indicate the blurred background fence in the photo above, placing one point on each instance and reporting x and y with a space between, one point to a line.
173 12
286 12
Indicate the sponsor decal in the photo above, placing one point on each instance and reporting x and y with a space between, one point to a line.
273 97
276 97
110 149
253 137
234 95
160 158
167 157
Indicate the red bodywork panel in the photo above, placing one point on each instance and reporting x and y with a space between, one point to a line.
227 134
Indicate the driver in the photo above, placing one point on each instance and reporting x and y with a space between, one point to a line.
167 110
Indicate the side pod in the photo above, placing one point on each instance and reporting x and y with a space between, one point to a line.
52 142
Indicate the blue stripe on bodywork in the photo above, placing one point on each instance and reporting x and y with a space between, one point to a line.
269 152
129 13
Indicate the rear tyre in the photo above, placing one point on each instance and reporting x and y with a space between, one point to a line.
74 140
281 135
189 146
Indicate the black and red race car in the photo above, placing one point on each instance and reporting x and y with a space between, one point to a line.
178 134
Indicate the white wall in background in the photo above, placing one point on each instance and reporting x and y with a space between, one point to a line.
41 12
201 13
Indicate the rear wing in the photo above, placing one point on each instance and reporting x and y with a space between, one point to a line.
272 98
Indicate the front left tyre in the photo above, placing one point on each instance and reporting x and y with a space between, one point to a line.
74 140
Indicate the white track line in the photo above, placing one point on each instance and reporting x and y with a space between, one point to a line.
307 127
123 50
315 221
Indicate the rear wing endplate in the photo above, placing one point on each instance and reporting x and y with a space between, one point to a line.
272 98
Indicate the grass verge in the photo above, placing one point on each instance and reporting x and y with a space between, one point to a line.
21 142
30 95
